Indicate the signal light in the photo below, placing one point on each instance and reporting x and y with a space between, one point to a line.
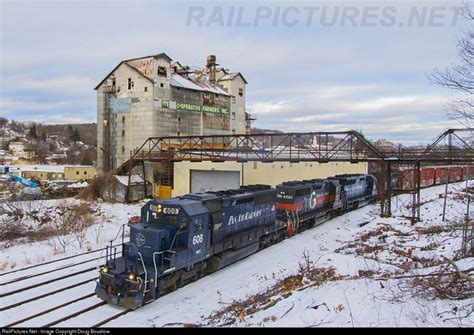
105 269
131 276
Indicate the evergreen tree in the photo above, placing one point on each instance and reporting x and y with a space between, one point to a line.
74 135
32 132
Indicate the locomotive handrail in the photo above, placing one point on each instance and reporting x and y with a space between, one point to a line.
154 264
175 238
140 281
161 265
100 257
121 229
144 269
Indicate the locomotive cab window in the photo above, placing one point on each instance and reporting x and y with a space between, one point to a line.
183 224
163 219
198 224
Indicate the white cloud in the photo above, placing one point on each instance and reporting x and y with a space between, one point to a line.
299 80
374 109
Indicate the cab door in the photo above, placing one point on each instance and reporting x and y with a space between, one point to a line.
198 238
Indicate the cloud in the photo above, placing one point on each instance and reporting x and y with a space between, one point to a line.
69 84
377 110
54 53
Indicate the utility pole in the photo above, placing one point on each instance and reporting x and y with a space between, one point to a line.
445 195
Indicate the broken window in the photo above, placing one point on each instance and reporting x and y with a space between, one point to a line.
162 85
123 149
77 172
241 92
161 71
123 133
208 99
146 89
233 115
85 172
130 84
123 119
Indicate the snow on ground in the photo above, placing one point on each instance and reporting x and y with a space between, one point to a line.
353 275
108 220
350 302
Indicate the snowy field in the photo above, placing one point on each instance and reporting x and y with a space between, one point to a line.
355 270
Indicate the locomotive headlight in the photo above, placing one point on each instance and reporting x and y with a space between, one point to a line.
131 276
105 269
158 208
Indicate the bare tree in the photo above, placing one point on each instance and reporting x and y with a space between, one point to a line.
71 225
459 77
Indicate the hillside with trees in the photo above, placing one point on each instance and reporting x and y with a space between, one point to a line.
53 144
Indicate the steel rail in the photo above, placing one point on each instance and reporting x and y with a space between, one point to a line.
34 316
45 295
73 315
54 261
23 289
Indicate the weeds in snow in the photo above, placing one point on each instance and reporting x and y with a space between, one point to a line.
308 276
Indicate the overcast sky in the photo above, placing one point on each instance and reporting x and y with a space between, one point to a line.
359 65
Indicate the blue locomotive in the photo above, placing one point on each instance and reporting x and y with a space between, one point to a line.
178 240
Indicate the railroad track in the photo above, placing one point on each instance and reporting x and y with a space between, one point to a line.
88 309
55 261
48 310
45 291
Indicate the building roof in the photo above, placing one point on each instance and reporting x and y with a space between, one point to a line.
44 168
160 55
191 84
177 80
134 180
38 168
232 75
115 68
134 68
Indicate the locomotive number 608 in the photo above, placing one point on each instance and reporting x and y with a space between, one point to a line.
198 239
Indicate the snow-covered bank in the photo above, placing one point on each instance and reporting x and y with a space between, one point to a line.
108 219
355 270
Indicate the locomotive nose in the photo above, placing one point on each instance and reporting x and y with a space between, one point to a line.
115 294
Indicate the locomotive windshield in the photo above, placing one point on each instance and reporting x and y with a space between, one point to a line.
160 216
163 219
